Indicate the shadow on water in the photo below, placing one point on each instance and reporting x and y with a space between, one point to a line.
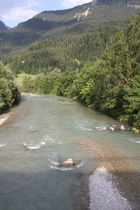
46 190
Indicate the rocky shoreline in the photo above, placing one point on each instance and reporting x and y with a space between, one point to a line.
124 177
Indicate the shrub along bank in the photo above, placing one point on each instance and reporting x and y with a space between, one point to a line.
9 92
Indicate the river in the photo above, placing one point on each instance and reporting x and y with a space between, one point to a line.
42 132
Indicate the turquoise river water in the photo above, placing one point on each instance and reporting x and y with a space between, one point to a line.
42 132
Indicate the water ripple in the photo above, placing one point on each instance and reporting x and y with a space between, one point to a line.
3 144
31 146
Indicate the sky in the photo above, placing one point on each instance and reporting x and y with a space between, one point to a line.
13 12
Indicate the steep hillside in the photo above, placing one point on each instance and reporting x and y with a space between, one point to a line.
3 27
61 52
81 19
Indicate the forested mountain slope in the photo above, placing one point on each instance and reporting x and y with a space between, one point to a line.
66 38
81 19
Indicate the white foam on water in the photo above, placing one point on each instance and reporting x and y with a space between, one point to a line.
32 129
31 94
65 103
32 146
80 165
60 168
138 142
43 142
103 193
85 129
134 141
54 164
102 128
49 139
3 144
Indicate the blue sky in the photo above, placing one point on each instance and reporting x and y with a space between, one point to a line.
13 12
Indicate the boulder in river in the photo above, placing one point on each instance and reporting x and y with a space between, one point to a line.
122 128
70 162
111 129
117 127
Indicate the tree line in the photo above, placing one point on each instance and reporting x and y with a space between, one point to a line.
110 84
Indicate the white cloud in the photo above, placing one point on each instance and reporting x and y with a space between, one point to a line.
73 3
19 14
31 3
14 11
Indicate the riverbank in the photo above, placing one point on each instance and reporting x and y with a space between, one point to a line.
114 182
104 192
3 118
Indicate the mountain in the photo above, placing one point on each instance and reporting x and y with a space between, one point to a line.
80 19
65 38
3 27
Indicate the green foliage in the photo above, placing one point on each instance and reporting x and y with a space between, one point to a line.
9 93
108 13
40 84
132 100
27 84
59 52
60 37
112 84
64 83
20 77
83 85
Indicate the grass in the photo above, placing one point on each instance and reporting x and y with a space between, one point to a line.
20 77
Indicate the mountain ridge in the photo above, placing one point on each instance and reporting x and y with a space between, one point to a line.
80 19
3 27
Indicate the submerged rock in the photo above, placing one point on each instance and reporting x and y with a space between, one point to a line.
122 127
70 162
117 127
111 128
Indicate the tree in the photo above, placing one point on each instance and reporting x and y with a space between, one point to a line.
112 84
27 84
9 92
64 82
